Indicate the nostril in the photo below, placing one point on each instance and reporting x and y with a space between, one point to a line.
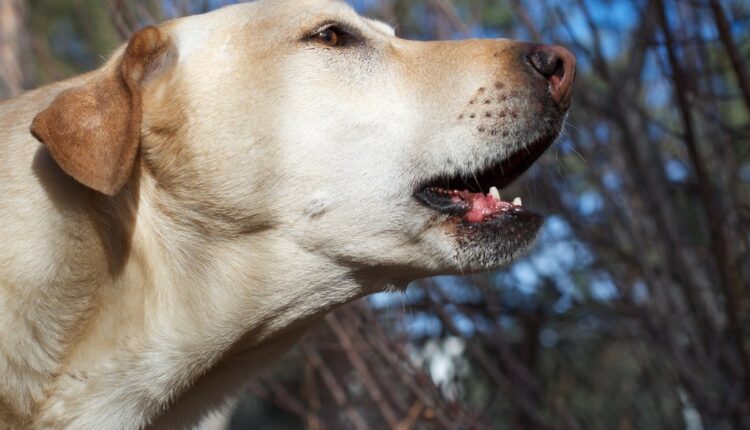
557 65
546 63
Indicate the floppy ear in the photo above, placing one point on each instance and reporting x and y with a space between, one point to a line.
93 131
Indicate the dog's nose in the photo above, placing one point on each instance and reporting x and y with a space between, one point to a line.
558 66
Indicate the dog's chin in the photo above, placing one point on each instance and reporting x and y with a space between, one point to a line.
494 242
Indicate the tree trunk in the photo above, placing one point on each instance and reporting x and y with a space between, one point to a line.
11 38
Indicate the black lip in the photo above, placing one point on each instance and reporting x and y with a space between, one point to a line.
504 235
519 162
441 200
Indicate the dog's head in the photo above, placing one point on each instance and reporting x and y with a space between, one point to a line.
302 117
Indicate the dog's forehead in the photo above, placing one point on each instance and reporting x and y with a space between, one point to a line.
268 19
382 27
285 12
286 4
310 10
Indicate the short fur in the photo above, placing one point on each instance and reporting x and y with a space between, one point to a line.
179 217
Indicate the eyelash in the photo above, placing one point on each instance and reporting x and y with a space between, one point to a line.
341 37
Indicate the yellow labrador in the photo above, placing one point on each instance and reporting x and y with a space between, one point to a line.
179 217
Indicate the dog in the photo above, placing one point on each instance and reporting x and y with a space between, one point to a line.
176 219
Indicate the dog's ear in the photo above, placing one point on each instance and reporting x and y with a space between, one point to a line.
93 131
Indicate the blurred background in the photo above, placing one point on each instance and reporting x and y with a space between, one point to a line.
632 312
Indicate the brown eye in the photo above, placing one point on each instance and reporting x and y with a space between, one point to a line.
330 36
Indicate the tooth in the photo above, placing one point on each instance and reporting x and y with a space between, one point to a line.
517 201
495 193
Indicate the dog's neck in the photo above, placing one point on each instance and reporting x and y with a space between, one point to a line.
172 304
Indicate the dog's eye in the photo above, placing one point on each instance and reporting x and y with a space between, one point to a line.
332 36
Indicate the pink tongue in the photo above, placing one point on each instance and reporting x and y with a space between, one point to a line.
482 206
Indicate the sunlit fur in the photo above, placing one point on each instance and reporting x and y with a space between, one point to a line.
274 182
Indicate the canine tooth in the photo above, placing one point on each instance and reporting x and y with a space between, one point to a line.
517 201
495 193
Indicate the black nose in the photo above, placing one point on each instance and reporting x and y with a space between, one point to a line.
557 65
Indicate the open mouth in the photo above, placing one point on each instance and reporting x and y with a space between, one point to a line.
476 199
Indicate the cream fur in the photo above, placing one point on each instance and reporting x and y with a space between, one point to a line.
274 182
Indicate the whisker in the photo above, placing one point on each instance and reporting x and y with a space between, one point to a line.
477 181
